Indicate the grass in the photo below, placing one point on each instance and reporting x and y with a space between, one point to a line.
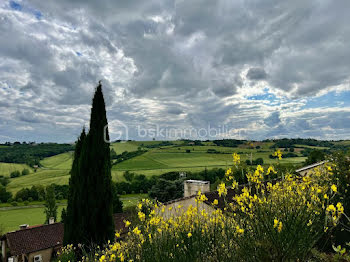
11 219
154 162
132 199
41 177
59 162
7 168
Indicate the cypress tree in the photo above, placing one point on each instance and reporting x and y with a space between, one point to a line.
73 231
50 204
90 206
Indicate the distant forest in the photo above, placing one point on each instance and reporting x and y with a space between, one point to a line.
31 153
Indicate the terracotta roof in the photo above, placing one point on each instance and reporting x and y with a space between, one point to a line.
41 237
33 239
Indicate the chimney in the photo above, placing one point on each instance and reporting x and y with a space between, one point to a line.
24 226
51 220
191 187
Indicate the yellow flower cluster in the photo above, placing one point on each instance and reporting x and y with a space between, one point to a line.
267 207
278 154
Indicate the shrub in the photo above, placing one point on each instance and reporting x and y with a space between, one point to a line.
66 254
15 174
26 203
14 203
25 172
30 199
280 221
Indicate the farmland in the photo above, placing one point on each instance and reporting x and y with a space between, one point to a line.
157 160
12 217
7 168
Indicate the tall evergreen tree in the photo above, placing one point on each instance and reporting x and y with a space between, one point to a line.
90 206
73 231
50 204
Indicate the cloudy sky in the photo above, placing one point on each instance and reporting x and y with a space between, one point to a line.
248 69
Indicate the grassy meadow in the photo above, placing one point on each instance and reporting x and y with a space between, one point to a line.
7 168
12 217
155 161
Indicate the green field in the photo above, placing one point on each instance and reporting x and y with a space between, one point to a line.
7 168
12 217
58 162
155 161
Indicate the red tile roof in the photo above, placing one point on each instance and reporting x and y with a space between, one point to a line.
41 237
33 239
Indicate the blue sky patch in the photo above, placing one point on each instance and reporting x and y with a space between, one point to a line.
15 6
79 54
331 99
37 14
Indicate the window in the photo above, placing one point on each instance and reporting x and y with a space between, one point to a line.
38 258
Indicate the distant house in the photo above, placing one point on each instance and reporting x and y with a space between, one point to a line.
37 243
309 169
191 188
40 243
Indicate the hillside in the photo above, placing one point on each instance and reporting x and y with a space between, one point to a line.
160 157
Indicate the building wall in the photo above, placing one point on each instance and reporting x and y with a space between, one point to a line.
182 205
46 255
192 188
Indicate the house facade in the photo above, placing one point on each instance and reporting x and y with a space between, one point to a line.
40 243
32 244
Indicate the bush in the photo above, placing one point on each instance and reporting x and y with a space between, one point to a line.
267 222
20 200
4 195
26 203
67 254
25 172
14 203
15 174
30 199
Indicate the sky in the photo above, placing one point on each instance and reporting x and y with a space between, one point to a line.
200 69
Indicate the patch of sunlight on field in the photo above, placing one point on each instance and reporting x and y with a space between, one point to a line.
61 161
11 219
41 177
7 168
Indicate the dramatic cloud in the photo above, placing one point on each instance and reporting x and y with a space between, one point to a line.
261 69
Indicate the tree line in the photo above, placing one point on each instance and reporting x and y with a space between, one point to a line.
31 154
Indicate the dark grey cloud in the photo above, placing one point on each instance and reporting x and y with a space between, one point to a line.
173 63
256 74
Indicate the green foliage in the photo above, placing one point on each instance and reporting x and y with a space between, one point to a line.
228 142
287 142
30 194
166 190
25 172
127 155
4 180
117 203
128 176
30 153
15 174
63 215
50 204
4 195
314 157
342 179
90 203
